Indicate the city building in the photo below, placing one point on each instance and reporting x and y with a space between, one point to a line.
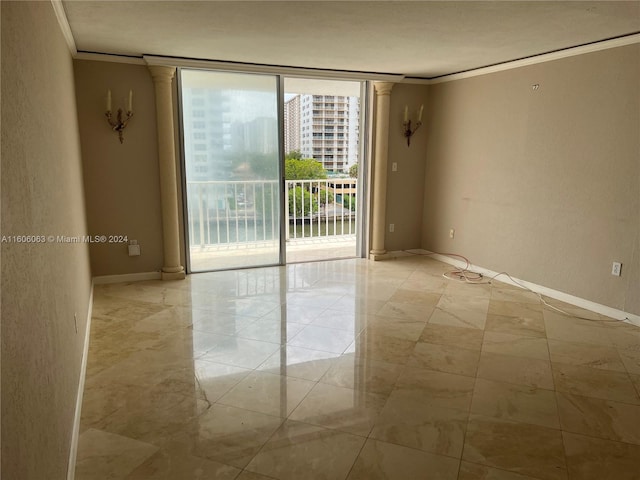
325 128
292 124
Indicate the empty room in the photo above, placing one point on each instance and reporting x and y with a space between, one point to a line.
320 240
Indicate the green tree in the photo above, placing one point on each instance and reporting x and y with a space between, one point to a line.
349 201
305 169
326 197
353 171
293 155
299 197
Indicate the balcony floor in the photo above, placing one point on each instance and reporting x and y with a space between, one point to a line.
249 254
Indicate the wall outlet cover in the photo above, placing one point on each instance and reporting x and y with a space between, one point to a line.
616 269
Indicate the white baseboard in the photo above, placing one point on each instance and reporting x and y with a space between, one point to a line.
75 433
549 292
127 277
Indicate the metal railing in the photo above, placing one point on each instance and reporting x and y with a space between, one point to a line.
244 212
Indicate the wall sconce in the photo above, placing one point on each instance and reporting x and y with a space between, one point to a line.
119 124
406 123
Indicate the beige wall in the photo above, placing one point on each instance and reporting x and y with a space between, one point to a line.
544 184
43 285
122 182
405 187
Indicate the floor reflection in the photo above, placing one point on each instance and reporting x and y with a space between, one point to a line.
352 369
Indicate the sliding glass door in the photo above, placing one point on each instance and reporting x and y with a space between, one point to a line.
322 125
232 169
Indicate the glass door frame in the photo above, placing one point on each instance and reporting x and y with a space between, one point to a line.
364 174
183 166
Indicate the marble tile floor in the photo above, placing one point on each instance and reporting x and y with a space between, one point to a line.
353 369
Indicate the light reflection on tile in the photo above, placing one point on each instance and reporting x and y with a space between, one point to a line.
293 313
344 409
270 331
299 362
368 375
348 321
231 435
403 328
200 375
321 338
216 379
372 345
241 352
225 324
357 305
267 393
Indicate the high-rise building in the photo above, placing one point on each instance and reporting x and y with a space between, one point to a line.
207 132
220 137
292 124
325 128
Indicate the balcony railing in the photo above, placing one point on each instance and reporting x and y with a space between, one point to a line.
245 212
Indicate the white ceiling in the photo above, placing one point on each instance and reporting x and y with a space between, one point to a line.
416 38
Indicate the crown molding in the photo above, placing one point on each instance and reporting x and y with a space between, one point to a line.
542 58
272 69
107 57
61 15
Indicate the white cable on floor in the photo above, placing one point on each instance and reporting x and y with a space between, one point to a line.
463 274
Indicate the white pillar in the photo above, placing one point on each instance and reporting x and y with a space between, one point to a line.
378 213
162 77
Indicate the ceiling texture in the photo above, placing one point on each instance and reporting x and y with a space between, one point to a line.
418 38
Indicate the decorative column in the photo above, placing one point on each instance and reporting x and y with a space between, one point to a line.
378 213
162 76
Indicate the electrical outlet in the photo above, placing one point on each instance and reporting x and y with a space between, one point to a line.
392 227
134 248
452 233
616 269
394 167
